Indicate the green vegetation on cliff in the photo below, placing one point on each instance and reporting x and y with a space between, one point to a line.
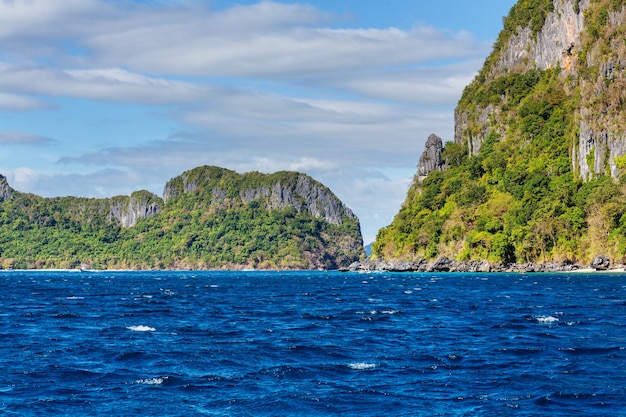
211 218
513 190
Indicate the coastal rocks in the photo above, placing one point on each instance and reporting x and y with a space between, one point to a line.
444 264
601 263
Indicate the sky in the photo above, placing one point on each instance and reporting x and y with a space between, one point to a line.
105 97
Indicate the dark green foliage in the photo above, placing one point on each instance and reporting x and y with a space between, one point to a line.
207 225
520 196
454 154
517 200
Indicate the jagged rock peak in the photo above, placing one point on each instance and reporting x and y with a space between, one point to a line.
431 157
6 193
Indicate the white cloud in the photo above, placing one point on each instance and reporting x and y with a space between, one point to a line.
21 178
274 51
13 137
109 84
261 40
439 85
15 102
98 184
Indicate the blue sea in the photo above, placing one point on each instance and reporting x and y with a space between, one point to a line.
311 344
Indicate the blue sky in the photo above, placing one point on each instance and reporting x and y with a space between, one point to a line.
103 97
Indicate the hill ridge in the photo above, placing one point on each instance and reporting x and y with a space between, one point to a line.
208 218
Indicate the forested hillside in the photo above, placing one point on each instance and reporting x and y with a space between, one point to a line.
208 218
536 170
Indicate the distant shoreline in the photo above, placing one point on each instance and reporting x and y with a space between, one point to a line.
367 267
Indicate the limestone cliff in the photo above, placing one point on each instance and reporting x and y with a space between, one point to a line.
276 191
128 210
585 41
537 169
431 158
5 191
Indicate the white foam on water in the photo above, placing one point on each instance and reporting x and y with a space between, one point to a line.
141 328
360 366
151 381
546 319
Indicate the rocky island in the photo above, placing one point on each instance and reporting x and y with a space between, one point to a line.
533 179
208 218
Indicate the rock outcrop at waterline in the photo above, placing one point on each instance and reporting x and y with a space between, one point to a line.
444 264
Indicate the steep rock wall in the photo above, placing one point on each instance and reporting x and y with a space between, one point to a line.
431 158
129 210
585 40
555 45
603 98
276 191
6 193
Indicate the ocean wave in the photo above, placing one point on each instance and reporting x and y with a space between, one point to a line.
546 319
152 381
141 328
360 366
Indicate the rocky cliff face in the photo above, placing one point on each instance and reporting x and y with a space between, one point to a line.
431 158
304 194
538 135
585 41
556 44
275 191
5 191
129 210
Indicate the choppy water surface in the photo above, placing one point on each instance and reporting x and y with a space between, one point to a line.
312 344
